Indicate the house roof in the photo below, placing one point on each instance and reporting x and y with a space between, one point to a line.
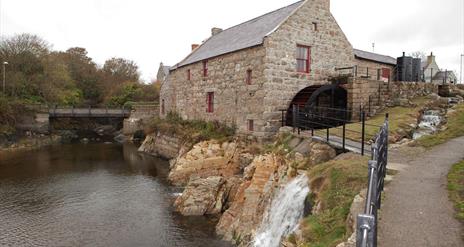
444 74
374 57
242 36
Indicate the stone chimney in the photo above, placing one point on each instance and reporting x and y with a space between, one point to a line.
431 58
195 46
215 31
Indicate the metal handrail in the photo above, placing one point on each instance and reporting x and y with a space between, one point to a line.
367 222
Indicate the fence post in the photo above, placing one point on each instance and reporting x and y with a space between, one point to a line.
294 117
328 135
363 120
344 136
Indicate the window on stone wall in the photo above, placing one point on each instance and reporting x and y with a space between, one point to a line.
205 68
251 125
249 76
315 26
210 102
189 75
303 59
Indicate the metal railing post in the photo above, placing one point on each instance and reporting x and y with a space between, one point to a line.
363 121
328 135
344 136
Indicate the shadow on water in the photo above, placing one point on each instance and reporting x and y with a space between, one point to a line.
93 195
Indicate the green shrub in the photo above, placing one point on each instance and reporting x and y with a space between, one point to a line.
191 130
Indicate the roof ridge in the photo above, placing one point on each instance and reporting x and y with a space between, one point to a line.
268 13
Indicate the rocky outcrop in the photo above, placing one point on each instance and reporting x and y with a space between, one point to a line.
207 159
162 145
207 196
202 197
246 212
320 153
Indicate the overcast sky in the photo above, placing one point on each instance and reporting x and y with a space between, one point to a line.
149 31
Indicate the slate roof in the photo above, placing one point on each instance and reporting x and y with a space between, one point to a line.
242 36
444 74
374 57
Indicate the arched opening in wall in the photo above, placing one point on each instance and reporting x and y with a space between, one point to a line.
323 106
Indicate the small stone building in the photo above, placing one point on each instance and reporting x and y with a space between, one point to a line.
247 75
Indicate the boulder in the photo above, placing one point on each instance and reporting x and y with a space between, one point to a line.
321 153
205 160
202 197
304 147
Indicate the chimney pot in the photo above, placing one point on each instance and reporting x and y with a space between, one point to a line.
215 31
195 46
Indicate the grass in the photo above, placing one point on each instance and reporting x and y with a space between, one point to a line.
400 120
456 189
335 184
191 131
455 129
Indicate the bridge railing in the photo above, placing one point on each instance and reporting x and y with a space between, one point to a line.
367 223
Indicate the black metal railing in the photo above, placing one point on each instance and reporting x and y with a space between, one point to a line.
333 125
368 222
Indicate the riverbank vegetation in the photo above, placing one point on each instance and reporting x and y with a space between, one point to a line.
191 131
334 185
37 74
456 189
10 111
454 129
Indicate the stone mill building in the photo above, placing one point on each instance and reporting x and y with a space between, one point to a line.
246 75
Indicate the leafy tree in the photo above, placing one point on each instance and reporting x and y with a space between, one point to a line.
121 70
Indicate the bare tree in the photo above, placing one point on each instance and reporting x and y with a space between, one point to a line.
419 54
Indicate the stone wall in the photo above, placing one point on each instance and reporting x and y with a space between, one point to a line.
139 115
374 96
274 78
329 49
234 100
373 67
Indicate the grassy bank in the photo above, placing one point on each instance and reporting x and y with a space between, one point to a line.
401 119
456 189
455 128
334 185
192 131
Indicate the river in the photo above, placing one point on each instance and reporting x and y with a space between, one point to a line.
93 195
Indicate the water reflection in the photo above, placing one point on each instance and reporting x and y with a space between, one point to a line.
92 195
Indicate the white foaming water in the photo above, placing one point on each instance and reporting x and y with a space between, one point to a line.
429 124
284 214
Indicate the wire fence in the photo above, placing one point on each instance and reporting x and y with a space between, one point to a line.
367 223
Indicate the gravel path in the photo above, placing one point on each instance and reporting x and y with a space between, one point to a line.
416 210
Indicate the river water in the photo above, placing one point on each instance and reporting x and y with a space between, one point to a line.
93 195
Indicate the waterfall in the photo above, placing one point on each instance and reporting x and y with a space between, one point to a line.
429 124
284 213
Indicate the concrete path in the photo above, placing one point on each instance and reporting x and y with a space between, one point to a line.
416 210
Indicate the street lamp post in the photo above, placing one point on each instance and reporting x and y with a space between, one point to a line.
4 77
462 61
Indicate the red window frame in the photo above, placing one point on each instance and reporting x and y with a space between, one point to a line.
303 57
251 125
210 102
189 75
249 76
205 68
386 73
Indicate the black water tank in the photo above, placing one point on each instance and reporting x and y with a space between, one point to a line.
416 69
404 68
